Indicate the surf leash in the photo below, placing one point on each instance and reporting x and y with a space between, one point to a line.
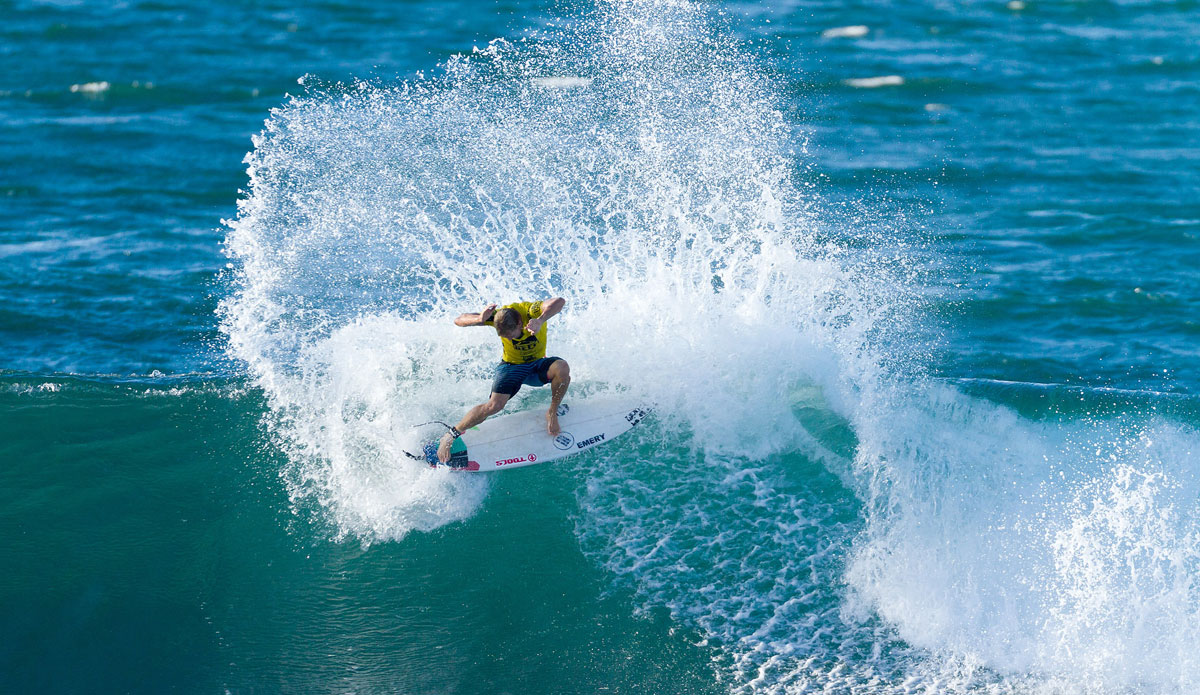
451 428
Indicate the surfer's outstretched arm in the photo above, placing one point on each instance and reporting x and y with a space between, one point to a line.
552 306
479 319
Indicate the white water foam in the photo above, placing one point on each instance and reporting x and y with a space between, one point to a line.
943 544
1059 555
874 82
855 31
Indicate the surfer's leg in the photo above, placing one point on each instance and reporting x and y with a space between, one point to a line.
483 411
473 417
559 375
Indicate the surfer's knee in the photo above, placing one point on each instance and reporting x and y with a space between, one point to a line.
495 404
559 371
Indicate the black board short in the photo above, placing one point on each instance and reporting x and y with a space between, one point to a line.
511 377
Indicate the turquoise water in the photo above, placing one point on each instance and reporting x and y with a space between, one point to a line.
912 289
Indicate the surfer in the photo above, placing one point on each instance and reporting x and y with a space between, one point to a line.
522 330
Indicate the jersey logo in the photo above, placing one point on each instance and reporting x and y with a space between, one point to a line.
525 344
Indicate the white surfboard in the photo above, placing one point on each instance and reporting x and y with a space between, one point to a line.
519 439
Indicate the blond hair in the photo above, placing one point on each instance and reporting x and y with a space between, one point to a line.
507 320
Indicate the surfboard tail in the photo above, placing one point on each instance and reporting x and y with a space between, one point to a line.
458 456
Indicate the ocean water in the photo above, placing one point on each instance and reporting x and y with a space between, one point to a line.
911 287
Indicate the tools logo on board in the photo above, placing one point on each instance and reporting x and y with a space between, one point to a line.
564 441
523 459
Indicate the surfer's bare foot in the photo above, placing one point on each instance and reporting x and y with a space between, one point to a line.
444 448
552 427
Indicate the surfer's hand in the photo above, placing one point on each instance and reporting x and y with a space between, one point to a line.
444 448
532 326
487 313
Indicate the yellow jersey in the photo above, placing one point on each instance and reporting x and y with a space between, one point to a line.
528 347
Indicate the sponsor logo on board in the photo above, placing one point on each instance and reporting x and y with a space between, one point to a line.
564 441
524 459
588 442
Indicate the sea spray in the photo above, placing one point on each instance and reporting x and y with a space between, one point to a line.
657 198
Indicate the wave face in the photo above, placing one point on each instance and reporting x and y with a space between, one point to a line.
812 507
